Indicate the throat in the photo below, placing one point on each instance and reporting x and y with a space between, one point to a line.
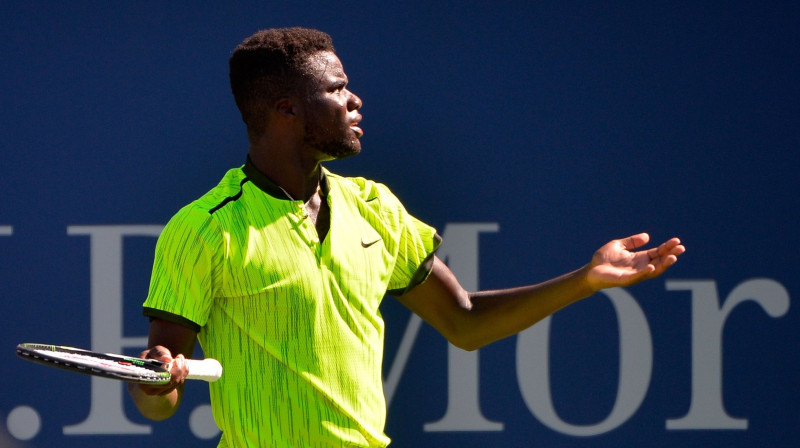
317 210
319 213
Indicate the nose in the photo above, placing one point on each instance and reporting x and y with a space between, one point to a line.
354 102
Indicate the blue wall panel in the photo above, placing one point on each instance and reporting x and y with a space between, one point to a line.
533 131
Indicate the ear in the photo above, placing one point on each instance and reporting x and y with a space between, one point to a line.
285 107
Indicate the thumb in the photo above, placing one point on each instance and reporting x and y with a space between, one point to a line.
635 241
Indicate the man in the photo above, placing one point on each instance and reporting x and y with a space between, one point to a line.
280 269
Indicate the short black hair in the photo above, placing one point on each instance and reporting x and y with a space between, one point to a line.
271 64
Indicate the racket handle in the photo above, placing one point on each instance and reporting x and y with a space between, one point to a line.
208 369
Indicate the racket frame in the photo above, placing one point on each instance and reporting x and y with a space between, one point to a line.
37 353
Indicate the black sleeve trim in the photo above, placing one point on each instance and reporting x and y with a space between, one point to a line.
230 198
423 271
154 313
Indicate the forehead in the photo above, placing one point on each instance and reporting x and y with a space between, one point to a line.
325 65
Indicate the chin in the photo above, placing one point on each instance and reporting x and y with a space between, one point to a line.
342 150
348 154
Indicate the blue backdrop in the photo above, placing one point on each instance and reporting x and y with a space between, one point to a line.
528 133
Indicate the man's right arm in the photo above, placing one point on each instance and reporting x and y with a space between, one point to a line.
167 341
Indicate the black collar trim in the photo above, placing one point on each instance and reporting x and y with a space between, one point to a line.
266 184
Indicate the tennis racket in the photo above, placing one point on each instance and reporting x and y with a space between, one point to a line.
119 367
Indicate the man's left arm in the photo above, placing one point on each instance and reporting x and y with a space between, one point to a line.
470 320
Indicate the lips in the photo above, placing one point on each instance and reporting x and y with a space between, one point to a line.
355 128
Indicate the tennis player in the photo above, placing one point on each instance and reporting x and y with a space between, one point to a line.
279 270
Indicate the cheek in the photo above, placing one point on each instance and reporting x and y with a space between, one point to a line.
327 112
328 116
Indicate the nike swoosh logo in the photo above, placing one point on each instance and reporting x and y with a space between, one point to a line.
368 243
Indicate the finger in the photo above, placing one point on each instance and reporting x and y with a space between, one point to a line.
664 263
157 390
677 250
642 274
634 241
672 247
668 245
179 369
166 390
160 353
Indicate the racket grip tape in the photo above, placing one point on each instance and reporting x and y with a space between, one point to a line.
208 369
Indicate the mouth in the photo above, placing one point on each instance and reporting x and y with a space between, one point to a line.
355 128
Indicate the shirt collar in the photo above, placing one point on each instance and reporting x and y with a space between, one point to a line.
266 184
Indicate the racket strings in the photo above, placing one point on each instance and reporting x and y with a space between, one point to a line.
122 366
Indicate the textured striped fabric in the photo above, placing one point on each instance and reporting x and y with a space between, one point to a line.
294 321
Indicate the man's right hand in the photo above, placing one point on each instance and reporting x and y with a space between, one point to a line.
178 370
165 338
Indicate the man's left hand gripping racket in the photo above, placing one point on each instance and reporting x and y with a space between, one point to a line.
120 367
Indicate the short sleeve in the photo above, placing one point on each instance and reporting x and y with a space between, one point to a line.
185 269
416 245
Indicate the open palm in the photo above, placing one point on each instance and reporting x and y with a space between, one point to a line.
617 264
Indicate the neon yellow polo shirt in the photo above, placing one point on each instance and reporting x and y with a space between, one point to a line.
293 320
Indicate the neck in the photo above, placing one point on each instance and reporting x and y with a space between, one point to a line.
297 176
